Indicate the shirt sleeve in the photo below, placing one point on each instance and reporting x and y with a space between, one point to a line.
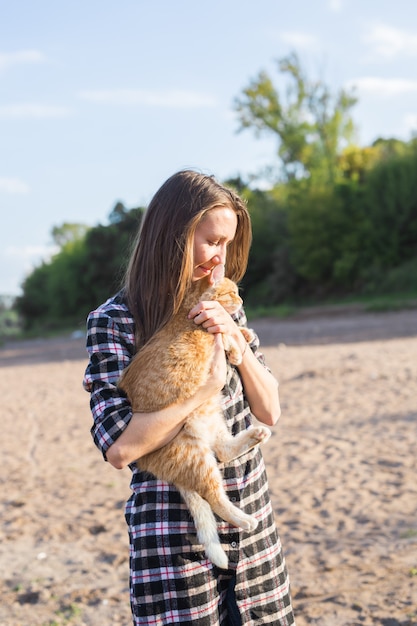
111 350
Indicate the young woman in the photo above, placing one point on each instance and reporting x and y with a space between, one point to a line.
191 225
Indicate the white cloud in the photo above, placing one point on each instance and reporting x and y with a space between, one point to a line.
178 99
33 111
384 87
389 42
21 57
13 186
335 5
300 40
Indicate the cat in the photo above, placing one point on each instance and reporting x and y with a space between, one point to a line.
169 369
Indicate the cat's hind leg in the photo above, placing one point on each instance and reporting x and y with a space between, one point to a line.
210 487
229 448
206 527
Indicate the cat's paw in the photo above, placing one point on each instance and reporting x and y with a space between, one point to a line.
249 523
234 356
248 333
260 434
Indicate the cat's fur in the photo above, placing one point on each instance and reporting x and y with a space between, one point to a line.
169 369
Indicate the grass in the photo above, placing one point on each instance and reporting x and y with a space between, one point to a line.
370 303
280 311
65 615
17 333
409 534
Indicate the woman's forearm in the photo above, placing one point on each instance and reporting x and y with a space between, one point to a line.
261 389
147 432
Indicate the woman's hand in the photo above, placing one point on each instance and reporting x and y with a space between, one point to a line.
215 319
261 388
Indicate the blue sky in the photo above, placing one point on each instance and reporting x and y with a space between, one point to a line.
101 101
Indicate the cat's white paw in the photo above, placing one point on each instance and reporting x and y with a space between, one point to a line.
249 523
260 433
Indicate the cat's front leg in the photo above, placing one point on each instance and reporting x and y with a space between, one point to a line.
227 449
232 350
248 333
234 353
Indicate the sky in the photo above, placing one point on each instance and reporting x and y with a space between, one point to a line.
102 100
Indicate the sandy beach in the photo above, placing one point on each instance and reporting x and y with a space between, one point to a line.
342 468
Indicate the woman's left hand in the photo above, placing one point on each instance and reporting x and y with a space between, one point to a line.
261 388
213 317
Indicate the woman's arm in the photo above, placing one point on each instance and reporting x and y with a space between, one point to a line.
261 388
147 432
121 436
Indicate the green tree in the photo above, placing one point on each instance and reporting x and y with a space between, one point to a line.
311 124
86 270
32 305
329 238
270 276
391 204
108 250
68 232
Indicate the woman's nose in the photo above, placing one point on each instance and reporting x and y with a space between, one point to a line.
220 257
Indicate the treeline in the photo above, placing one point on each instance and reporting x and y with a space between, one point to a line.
310 242
87 269
357 236
337 219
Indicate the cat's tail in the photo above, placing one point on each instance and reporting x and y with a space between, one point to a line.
206 527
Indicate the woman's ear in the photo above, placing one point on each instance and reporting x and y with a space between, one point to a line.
217 274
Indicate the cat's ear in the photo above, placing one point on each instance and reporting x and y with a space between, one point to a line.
217 274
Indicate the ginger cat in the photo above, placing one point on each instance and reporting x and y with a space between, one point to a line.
170 368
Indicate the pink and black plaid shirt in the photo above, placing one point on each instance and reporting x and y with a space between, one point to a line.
171 581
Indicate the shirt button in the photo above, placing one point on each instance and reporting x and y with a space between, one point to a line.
233 544
233 499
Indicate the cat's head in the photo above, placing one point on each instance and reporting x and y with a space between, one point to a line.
223 290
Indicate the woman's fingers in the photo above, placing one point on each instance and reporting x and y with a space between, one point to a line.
212 316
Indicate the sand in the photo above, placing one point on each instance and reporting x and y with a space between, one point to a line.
341 465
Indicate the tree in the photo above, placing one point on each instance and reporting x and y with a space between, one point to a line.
86 270
68 232
32 305
311 124
391 204
270 275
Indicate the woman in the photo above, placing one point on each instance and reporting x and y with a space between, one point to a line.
191 225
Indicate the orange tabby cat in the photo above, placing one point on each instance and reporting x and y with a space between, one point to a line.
170 368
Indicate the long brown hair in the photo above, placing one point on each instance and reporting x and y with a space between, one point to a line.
161 265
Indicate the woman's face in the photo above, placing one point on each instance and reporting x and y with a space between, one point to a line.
212 236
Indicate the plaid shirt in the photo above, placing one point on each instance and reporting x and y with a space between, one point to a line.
171 581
